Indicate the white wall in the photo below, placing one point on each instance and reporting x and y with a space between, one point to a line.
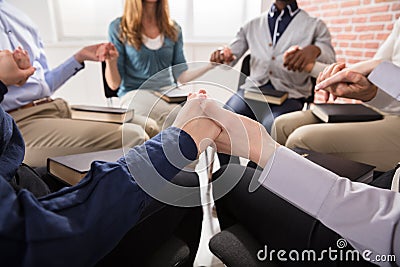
86 87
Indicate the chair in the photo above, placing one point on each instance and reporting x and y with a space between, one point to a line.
108 92
245 69
235 247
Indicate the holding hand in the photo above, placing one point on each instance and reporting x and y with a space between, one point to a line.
301 59
222 56
192 120
21 57
97 52
10 72
341 82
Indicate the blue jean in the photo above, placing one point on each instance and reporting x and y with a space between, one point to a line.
259 111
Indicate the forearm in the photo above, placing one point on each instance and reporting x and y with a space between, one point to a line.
59 75
365 67
190 75
112 75
337 202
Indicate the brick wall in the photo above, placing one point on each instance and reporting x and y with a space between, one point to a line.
358 27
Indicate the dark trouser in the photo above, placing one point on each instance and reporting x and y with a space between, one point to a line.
259 111
274 222
159 222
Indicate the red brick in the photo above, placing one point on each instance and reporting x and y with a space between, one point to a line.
379 18
332 13
340 21
366 37
346 37
344 44
395 7
352 53
350 3
347 12
372 45
329 6
382 36
371 28
359 20
369 54
357 45
373 9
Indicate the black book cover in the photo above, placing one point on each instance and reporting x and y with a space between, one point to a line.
345 113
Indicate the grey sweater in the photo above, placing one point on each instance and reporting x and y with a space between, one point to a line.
267 61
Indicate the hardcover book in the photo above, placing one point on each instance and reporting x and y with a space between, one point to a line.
268 95
355 171
106 114
72 168
345 113
173 96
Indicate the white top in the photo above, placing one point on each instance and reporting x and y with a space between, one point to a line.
153 43
366 216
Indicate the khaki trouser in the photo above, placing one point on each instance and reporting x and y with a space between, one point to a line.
374 142
146 104
49 131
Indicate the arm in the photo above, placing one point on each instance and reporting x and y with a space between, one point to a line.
337 202
312 58
111 73
107 203
115 71
385 51
190 75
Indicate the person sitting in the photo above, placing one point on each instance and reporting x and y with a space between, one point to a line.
108 211
284 60
148 41
299 212
374 142
46 124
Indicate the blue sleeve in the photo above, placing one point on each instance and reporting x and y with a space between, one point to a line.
77 226
113 36
179 57
59 75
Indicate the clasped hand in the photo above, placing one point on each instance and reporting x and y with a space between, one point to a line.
207 123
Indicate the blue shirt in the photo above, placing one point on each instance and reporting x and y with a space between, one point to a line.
79 225
278 21
16 29
137 66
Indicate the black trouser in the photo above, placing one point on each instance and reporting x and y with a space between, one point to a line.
159 222
274 222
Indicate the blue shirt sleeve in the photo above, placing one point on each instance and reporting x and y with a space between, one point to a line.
77 226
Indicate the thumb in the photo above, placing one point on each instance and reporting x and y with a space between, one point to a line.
29 71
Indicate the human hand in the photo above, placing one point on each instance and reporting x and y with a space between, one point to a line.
325 74
240 136
301 59
111 53
10 73
192 120
222 56
21 57
348 83
97 52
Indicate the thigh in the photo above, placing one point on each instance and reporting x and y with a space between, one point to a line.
55 137
147 104
159 222
285 124
275 223
275 111
375 142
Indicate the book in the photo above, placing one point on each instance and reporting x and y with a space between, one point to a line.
106 114
355 171
268 95
176 95
72 168
345 113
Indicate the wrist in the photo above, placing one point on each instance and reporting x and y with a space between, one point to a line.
79 57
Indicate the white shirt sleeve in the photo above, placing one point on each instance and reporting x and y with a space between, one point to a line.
385 76
367 217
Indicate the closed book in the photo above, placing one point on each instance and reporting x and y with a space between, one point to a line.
355 171
106 114
345 113
72 168
173 96
268 95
